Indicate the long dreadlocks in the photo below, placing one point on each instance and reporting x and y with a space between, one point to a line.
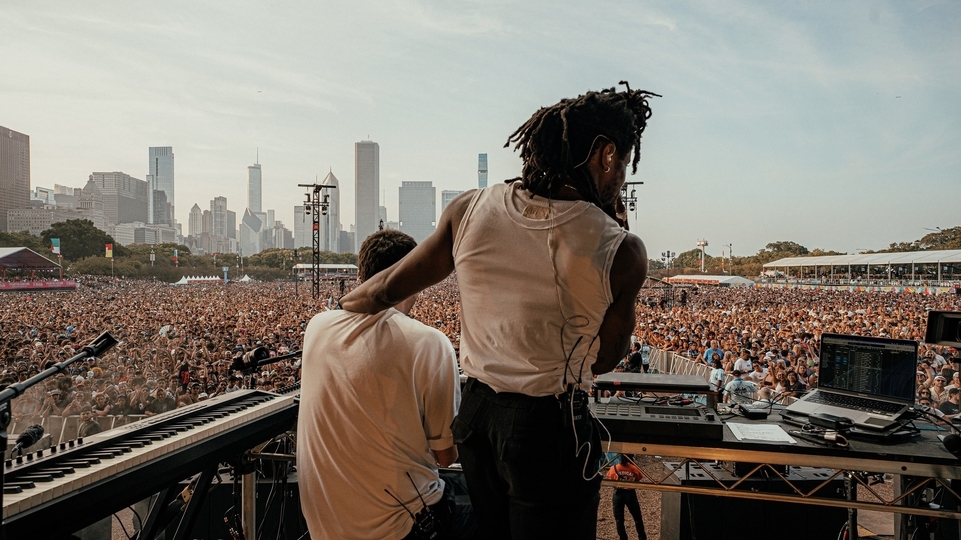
557 141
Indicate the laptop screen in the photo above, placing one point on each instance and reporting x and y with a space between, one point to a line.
876 367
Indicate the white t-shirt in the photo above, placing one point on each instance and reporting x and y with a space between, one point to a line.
378 393
744 366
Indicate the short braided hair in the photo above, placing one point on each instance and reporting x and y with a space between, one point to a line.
557 140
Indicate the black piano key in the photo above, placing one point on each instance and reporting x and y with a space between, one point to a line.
25 484
7 488
37 477
134 443
83 463
62 470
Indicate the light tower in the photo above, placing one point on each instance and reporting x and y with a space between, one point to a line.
316 204
702 244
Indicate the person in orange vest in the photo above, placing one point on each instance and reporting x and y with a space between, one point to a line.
624 470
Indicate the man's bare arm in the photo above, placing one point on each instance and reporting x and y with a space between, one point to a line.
446 456
429 263
628 272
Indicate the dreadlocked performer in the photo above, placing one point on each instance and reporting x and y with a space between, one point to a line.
548 275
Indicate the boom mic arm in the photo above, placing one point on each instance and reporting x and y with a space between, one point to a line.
260 356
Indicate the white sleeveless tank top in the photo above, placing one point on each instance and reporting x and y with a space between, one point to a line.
534 279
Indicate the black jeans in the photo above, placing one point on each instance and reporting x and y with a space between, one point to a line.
628 498
524 474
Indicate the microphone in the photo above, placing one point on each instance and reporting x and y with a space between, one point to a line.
952 443
250 359
32 436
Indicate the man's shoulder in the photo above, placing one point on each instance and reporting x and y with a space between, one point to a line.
419 331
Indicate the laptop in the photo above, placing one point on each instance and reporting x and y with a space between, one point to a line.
869 380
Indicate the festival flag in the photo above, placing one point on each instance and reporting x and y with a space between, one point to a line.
55 246
175 256
109 250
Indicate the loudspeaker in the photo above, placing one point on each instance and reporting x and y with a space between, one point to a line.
687 516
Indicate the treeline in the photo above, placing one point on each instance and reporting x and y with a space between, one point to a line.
83 249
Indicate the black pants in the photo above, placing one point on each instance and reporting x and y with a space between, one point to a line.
628 498
524 473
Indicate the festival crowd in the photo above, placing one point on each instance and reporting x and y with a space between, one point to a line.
176 344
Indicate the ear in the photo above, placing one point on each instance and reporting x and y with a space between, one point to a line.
603 158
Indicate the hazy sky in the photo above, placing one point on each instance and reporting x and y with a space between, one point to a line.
832 124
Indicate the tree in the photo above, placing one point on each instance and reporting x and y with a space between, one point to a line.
786 249
79 239
27 240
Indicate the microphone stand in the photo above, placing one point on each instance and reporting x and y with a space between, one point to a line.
249 362
97 347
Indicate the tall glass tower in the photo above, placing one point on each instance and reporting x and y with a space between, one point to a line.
366 191
160 177
481 171
254 189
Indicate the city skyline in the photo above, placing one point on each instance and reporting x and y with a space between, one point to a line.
832 125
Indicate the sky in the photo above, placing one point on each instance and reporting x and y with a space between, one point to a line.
833 124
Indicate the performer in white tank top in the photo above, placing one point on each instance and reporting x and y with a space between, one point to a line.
548 277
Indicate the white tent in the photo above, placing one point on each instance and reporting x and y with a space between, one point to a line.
913 264
720 281
195 280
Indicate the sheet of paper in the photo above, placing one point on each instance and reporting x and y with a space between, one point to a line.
760 432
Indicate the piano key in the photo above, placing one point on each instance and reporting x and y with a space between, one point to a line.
149 440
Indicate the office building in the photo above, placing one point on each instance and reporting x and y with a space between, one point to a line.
231 224
218 210
366 191
417 209
330 224
43 195
254 188
251 234
14 172
160 179
446 197
481 171
302 228
195 221
125 198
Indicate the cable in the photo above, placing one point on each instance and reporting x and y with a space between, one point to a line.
139 519
122 526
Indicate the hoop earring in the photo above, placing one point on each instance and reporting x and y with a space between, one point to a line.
607 169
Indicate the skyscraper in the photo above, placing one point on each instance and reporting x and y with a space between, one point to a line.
160 177
446 197
366 190
125 198
481 171
195 221
417 209
330 224
251 234
218 210
302 228
14 172
254 189
231 224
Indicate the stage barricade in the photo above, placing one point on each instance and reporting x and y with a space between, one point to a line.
676 364
65 428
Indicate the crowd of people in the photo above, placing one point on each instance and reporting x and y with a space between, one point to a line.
176 344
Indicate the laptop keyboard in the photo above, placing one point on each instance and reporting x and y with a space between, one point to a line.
856 403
